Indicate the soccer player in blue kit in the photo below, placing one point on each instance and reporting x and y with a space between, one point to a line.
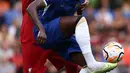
57 28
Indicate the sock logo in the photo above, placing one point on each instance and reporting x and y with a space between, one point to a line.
29 70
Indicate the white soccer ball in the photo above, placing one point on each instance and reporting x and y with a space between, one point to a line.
113 52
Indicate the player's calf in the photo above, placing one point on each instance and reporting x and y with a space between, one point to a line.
77 58
82 35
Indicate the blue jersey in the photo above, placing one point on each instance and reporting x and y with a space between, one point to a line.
50 19
58 8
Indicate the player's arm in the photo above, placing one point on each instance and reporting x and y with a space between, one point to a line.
32 11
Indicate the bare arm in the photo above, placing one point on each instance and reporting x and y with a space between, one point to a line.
32 11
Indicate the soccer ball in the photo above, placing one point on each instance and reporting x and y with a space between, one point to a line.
113 52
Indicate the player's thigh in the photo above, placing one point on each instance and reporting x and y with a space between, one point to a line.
68 24
62 26
77 58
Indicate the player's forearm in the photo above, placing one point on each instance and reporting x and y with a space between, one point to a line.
32 11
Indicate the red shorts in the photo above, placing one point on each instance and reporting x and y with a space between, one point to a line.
31 55
34 57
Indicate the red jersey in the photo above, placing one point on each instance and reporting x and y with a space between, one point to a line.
26 34
25 4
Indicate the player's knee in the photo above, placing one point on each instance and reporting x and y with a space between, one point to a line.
80 20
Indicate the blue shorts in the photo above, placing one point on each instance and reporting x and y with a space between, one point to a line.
56 41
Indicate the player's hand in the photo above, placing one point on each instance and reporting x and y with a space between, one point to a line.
41 37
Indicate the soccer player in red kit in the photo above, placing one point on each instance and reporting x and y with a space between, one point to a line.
33 55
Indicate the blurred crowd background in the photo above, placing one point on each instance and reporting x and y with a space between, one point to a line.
109 20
